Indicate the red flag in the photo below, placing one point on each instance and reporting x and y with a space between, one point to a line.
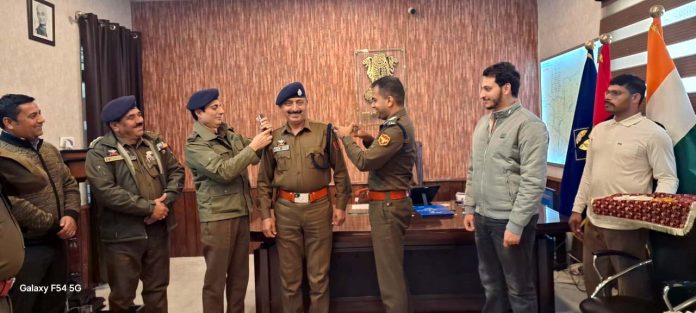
603 78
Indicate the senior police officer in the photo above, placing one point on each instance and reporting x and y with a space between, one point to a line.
17 176
135 179
389 159
298 166
218 158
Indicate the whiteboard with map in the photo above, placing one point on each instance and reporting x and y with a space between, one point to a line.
560 81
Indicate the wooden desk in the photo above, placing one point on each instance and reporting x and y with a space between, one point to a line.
440 262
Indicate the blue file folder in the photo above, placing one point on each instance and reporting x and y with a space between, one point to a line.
422 198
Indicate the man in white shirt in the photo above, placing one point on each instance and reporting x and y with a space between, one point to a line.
626 153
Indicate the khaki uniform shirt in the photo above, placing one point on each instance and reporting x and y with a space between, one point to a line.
390 157
146 171
287 164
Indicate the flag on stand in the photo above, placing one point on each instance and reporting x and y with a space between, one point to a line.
579 135
603 78
669 105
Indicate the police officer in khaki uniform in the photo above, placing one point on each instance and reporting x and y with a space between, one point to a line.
390 159
135 180
218 158
17 176
298 167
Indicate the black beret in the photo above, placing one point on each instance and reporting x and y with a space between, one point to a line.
201 98
117 108
292 90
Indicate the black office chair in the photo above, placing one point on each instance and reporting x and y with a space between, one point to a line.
601 300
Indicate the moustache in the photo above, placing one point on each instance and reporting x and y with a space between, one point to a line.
294 112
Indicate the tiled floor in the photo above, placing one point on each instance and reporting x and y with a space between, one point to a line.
568 292
186 283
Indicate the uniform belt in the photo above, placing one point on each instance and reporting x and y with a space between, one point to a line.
382 195
300 197
5 286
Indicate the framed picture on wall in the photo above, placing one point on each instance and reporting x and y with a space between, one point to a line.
41 18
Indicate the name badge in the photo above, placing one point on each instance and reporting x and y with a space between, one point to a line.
281 148
113 158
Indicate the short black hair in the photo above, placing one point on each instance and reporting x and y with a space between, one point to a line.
504 73
9 106
391 86
193 113
633 83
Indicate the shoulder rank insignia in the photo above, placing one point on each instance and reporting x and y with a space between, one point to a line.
391 121
95 141
383 139
162 145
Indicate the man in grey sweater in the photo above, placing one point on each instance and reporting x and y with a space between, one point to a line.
505 181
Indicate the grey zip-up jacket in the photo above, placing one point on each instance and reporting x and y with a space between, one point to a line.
507 168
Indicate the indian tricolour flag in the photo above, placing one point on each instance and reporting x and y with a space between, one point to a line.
668 104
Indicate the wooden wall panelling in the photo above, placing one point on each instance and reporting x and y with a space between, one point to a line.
686 67
251 48
635 13
673 33
178 239
193 226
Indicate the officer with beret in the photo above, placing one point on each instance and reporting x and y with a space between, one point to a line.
390 159
298 165
135 179
218 158
17 176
